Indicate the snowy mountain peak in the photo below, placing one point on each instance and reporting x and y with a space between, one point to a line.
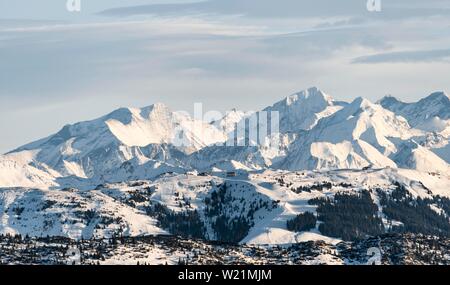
302 110
420 113
388 99
440 96
123 115
359 135
228 123
155 110
363 103
311 95
126 114
362 108
157 124
316 132
98 148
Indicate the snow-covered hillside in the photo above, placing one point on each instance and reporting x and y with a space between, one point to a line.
70 213
251 207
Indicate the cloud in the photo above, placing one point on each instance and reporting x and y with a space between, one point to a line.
289 8
56 9
406 57
225 53
252 8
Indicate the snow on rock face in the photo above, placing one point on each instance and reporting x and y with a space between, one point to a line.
302 111
93 148
136 130
357 136
425 160
365 120
316 133
228 158
157 124
435 124
338 155
135 170
414 156
18 169
228 123
435 105
346 155
443 152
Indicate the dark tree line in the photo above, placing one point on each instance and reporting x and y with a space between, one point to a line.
231 226
226 228
186 224
348 216
302 222
325 185
415 214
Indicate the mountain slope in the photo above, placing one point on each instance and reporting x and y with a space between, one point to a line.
429 113
302 111
414 156
297 113
19 169
359 135
91 149
70 213
337 172
252 209
316 132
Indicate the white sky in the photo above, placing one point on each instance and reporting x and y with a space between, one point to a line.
58 67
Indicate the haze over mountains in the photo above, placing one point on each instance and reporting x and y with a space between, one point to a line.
316 132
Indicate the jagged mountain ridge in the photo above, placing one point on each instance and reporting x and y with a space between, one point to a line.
317 132
430 113
360 135
96 148
123 174
302 110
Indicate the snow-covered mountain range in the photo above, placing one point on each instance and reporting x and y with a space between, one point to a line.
152 171
434 108
316 132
